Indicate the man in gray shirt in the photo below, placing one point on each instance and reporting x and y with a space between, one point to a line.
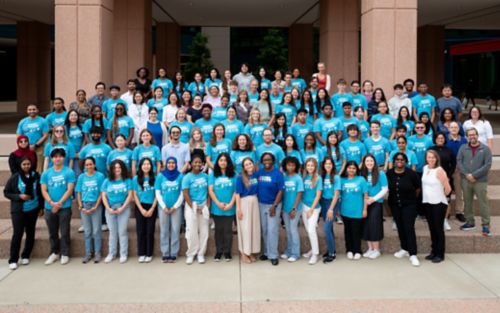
243 78
474 162
177 149
449 101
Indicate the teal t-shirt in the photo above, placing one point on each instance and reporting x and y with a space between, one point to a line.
141 152
338 100
238 156
165 84
124 155
329 187
185 127
310 191
387 124
206 127
125 123
352 193
420 146
289 110
170 189
233 128
32 204
221 146
337 157
373 190
75 136
412 157
324 126
316 154
108 107
54 118
99 153
274 149
159 105
380 149
67 147
57 183
299 131
33 128
224 188
146 192
255 132
422 104
293 185
116 190
353 151
197 184
89 186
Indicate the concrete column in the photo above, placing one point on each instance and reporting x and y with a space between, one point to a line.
388 41
131 39
168 47
339 38
219 43
430 57
34 65
83 45
300 49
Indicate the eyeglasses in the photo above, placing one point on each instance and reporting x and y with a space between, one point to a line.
175 133
58 131
420 127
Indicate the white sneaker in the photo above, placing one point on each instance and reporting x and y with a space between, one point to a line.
51 259
291 259
109 258
189 260
350 256
374 255
148 259
357 256
201 259
212 225
367 253
64 259
401 254
394 226
446 225
80 229
13 266
141 259
123 259
340 221
313 260
104 227
414 260
308 254
284 256
25 261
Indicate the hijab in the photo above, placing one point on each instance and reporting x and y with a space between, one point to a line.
171 174
24 152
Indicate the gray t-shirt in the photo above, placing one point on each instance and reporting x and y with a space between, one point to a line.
452 103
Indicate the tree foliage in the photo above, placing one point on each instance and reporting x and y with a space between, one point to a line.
200 58
274 52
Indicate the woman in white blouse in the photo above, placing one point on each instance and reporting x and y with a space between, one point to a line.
139 113
483 127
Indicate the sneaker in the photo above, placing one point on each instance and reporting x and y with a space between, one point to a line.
437 260
340 221
228 257
313 260
401 254
263 257
374 255
104 227
460 217
189 260
467 226
13 266
275 262
394 226
284 256
329 259
80 229
308 254
123 259
486 231
86 259
430 257
64 259
350 256
51 259
414 260
446 225
25 261
357 256
367 253
141 259
148 259
97 258
201 259
165 259
292 259
217 257
173 259
109 258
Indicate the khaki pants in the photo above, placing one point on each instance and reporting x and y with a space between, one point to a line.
480 190
458 206
249 226
39 159
196 232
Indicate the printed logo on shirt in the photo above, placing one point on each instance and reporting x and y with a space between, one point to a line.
266 179
169 186
223 182
57 181
117 188
290 185
350 188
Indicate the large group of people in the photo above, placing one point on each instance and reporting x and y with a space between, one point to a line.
252 155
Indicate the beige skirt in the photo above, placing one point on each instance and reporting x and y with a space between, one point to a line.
249 226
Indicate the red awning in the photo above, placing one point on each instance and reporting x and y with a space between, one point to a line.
475 47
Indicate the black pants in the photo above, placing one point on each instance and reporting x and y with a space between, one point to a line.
435 214
223 233
145 227
59 222
353 229
405 220
22 222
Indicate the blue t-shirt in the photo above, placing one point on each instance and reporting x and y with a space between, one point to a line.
422 104
353 151
325 126
141 152
265 84
185 127
233 128
252 188
67 147
159 105
364 129
293 185
276 99
124 155
316 154
412 157
165 84
224 188
88 124
33 128
289 110
359 100
329 187
299 131
299 83
296 154
75 136
270 183
125 123
346 121
420 146
31 204
108 107
255 132
100 153
219 114
353 196
197 89
116 191
380 149
337 157
274 149
338 100
373 190
54 118
387 124
221 146
206 127
310 191
238 156
197 184
57 184
170 189
212 82
89 186
146 192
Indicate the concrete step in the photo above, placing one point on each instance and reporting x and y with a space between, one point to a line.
456 241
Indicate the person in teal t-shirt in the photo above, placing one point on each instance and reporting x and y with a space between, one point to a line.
424 102
146 149
121 123
377 145
270 146
421 142
233 126
206 123
98 150
353 148
340 97
158 102
109 105
35 128
242 148
120 153
326 124
60 140
58 114
162 81
387 122
218 144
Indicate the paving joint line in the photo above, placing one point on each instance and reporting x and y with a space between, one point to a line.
474 278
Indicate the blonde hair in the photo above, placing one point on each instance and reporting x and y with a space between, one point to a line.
250 118
314 178
53 140
244 175
196 144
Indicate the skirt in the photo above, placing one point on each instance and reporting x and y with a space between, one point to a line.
373 229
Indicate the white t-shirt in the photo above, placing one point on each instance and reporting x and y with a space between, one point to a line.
483 128
169 112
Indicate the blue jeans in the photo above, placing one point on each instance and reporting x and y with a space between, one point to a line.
76 167
270 230
292 234
118 231
92 228
170 228
328 225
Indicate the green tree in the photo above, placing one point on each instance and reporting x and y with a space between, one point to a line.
199 61
274 52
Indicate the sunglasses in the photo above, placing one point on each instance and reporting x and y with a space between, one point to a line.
59 131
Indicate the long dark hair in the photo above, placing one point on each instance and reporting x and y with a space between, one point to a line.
140 173
229 169
276 128
213 138
67 122
329 145
319 106
364 169
269 105
123 167
101 119
311 103
323 171
310 134
400 118
349 163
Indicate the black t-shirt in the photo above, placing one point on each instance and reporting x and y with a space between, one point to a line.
403 187
194 113
144 88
